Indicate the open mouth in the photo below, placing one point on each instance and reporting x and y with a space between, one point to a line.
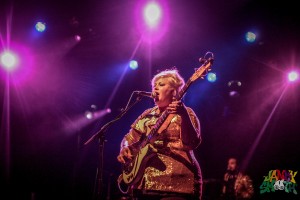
156 96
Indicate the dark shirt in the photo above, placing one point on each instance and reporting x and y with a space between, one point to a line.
229 185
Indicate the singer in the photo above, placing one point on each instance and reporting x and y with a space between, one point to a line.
173 172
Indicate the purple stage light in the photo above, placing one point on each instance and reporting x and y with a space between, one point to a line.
9 60
77 38
89 115
234 93
19 61
152 14
234 88
293 76
152 19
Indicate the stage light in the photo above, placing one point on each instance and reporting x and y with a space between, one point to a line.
234 88
152 14
89 114
77 38
152 18
133 64
94 107
293 76
234 93
108 110
250 37
8 60
234 83
40 26
211 77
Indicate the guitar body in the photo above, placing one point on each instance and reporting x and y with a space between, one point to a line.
133 171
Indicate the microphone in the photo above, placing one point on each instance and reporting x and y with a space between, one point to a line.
146 94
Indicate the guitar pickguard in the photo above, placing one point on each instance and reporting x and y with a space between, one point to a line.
131 171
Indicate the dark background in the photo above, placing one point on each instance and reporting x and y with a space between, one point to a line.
43 155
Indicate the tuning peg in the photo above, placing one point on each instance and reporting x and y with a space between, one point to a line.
202 60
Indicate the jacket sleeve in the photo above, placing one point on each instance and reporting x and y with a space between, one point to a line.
191 129
135 132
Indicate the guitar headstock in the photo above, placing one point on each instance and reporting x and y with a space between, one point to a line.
203 69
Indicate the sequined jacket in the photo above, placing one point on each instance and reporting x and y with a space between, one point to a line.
174 168
242 186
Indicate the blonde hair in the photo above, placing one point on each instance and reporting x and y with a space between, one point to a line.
174 78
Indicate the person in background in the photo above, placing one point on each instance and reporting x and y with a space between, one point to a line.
236 185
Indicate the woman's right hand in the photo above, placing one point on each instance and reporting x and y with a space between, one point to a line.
124 154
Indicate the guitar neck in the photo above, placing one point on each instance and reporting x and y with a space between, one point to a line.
165 114
184 89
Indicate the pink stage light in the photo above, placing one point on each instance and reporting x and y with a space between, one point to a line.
293 76
77 38
152 19
152 14
89 114
9 60
18 60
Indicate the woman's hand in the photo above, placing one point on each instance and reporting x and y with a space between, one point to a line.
124 155
176 107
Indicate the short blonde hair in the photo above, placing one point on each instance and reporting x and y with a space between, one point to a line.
174 78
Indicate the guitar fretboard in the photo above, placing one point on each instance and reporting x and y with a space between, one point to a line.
165 114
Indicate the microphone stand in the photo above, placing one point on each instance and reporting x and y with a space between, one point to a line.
101 139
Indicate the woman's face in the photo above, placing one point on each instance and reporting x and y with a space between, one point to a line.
164 92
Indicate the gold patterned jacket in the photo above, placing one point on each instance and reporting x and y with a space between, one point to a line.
243 187
174 168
